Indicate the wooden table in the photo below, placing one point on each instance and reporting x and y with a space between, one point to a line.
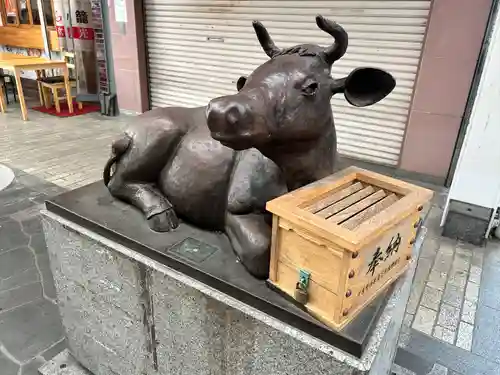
17 63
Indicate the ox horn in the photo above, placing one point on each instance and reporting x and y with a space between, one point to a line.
265 39
337 49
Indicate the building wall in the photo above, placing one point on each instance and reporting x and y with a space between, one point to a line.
453 42
129 56
454 39
477 178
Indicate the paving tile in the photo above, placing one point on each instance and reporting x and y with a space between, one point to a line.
424 320
16 193
453 357
486 342
37 243
437 280
27 214
443 261
438 369
30 329
415 294
32 225
431 298
429 247
457 277
412 362
475 274
472 292
453 295
408 319
449 316
11 235
490 283
447 246
469 311
464 248
12 298
461 262
477 258
399 370
7 367
55 350
423 269
15 261
444 334
28 276
46 274
31 368
404 339
464 336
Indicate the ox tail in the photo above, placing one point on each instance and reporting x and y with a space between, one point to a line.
118 148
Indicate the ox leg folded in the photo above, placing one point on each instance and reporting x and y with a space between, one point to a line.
250 236
156 208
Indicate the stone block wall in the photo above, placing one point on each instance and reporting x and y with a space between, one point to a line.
128 317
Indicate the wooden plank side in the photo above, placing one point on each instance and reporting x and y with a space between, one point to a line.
54 41
302 253
322 302
379 262
334 197
344 203
356 220
24 37
394 185
273 263
357 208
332 233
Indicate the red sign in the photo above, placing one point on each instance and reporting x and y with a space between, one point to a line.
60 31
83 33
76 32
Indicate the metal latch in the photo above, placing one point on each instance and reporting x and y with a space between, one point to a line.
301 294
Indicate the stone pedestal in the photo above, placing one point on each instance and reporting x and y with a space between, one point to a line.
128 313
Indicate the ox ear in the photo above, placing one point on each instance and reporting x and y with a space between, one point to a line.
241 82
365 86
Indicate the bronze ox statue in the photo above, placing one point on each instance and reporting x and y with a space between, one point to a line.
217 166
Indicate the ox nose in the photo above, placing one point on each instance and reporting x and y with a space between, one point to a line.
235 113
227 117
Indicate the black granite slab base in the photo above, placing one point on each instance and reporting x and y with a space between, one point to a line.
204 256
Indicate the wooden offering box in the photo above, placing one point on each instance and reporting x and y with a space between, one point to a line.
339 242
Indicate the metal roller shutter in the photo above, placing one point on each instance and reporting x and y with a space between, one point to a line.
199 48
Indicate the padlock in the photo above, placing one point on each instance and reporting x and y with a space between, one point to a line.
301 295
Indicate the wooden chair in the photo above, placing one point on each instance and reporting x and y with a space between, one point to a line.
7 82
55 83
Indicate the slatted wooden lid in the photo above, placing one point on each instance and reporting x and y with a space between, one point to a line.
354 204
351 207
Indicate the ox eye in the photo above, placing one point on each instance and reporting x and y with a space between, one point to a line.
310 88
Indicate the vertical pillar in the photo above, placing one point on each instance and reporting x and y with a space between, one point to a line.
453 43
129 55
475 191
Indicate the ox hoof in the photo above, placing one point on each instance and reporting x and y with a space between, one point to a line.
164 221
256 262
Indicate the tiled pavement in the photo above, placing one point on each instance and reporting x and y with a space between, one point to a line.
68 152
452 325
30 329
48 155
452 322
448 302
